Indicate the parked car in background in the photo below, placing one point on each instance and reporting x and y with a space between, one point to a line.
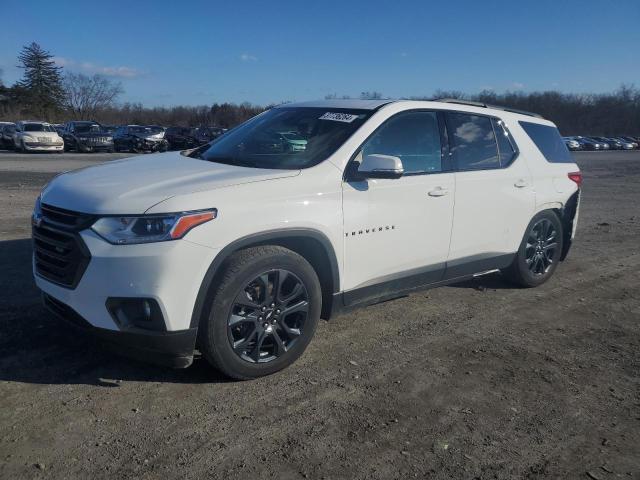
36 136
7 130
630 142
571 143
588 144
613 143
139 138
206 134
604 145
181 138
87 136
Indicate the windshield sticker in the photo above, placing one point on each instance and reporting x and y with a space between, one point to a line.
339 117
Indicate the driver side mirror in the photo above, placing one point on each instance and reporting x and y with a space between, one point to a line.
380 166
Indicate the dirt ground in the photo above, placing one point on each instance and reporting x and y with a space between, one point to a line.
476 381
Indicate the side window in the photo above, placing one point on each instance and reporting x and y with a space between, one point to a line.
414 137
548 141
473 143
505 145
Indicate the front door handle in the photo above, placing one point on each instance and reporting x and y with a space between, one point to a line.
438 192
521 183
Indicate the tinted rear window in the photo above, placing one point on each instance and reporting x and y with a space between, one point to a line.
549 142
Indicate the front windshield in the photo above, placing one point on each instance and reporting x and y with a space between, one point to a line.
286 138
88 128
37 127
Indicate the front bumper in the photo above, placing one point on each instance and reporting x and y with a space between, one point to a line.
43 147
152 145
168 272
171 349
95 145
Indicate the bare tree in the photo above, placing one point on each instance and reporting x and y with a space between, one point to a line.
86 96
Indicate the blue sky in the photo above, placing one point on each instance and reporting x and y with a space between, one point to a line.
200 52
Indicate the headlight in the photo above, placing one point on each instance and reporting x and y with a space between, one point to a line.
83 139
150 228
36 216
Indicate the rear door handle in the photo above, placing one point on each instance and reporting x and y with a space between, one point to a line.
521 184
438 192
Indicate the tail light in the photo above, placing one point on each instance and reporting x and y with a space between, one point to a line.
576 177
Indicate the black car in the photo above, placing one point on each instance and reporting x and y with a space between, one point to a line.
87 136
614 144
206 134
139 138
181 138
588 144
6 135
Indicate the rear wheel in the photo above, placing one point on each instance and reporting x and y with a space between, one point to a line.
539 252
263 313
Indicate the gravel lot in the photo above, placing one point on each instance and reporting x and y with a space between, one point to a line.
478 380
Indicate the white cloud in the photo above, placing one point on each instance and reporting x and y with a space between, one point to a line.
63 62
246 57
517 85
89 67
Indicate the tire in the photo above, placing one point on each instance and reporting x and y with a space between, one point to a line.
285 336
539 252
23 149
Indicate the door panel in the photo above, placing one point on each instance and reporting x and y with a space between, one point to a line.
397 231
395 228
494 198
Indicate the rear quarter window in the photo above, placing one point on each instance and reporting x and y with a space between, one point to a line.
548 141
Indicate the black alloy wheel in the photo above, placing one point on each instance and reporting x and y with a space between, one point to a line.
264 307
268 316
539 253
542 243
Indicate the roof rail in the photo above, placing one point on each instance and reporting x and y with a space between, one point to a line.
485 105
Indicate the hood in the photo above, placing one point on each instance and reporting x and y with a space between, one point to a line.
133 185
40 134
148 136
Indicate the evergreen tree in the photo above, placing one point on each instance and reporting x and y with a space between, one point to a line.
42 81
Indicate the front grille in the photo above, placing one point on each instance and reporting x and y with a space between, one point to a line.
66 219
97 140
60 255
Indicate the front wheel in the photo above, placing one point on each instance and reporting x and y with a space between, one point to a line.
539 253
263 313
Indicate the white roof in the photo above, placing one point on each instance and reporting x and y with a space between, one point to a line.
339 103
450 104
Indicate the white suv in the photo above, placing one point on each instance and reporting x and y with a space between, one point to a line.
238 247
34 136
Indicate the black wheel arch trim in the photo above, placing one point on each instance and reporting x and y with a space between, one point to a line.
264 238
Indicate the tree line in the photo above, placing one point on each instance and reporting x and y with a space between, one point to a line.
48 93
603 114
